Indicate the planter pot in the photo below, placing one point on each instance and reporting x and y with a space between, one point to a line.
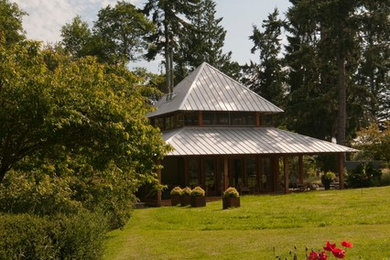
175 200
185 200
231 203
197 201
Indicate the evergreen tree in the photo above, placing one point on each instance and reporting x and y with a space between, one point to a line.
171 19
203 42
267 77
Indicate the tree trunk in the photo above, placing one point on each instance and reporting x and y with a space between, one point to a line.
342 111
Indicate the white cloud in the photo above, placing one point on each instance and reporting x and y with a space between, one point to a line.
46 17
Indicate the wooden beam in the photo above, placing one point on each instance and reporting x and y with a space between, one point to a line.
341 165
225 173
300 169
202 173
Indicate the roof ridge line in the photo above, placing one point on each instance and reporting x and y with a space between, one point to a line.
192 85
243 86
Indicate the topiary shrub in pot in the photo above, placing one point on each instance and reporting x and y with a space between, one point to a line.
197 197
231 198
185 198
327 179
176 196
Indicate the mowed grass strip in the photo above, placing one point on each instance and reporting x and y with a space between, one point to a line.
263 227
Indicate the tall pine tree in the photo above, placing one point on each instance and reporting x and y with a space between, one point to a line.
267 77
171 18
203 42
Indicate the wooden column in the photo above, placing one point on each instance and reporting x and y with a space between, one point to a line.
244 170
275 172
259 173
200 118
300 169
159 190
186 171
285 172
258 119
341 165
202 173
225 173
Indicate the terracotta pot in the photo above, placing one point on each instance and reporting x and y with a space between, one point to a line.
198 201
231 203
175 200
185 200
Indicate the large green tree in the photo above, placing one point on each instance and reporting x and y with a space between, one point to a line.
11 30
117 36
266 78
81 107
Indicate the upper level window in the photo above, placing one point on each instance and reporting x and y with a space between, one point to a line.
242 118
191 118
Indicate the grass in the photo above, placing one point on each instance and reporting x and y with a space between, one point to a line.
263 227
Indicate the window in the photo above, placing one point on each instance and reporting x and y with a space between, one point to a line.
242 118
191 118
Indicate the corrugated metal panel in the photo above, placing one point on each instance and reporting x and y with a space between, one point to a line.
245 140
208 89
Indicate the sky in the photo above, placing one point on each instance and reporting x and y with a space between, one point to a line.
47 16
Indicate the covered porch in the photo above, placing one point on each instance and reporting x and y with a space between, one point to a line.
250 174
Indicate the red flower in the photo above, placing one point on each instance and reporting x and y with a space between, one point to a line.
329 246
313 256
346 244
323 256
338 253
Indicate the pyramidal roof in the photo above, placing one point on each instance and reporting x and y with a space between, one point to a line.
208 89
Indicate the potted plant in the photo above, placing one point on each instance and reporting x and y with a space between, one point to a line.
185 198
231 198
327 179
176 196
197 197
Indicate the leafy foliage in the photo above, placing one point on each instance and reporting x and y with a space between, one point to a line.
198 192
176 191
78 236
11 30
186 191
231 192
364 175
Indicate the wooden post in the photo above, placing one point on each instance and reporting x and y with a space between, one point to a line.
341 164
259 173
258 119
159 191
275 171
285 172
200 118
186 172
300 169
225 173
244 170
202 173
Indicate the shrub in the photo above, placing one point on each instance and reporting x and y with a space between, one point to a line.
364 175
186 191
231 192
77 236
176 191
198 192
327 178
385 178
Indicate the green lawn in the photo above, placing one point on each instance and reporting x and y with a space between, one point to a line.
262 225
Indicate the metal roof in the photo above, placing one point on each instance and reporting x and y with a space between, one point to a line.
245 140
208 89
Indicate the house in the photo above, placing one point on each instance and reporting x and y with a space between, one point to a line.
222 135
